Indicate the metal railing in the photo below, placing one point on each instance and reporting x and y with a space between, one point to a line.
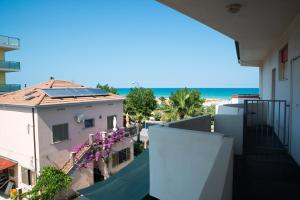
9 41
265 125
9 87
10 65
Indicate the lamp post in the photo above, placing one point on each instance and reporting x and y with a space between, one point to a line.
137 85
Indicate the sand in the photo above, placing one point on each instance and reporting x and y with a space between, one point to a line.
208 101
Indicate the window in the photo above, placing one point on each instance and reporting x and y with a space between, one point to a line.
283 63
89 123
120 157
60 132
26 176
110 122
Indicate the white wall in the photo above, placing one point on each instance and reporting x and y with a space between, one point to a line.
283 88
181 161
58 153
231 126
16 136
230 109
219 183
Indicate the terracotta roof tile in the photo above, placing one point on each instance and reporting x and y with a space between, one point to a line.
35 96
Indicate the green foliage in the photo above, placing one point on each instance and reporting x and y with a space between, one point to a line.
209 110
140 103
107 88
157 115
184 103
49 183
138 148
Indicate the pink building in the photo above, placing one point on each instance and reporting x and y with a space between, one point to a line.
40 125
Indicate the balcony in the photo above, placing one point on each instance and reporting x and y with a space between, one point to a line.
4 88
188 161
9 66
9 43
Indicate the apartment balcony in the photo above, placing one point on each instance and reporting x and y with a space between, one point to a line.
9 66
5 88
245 156
9 43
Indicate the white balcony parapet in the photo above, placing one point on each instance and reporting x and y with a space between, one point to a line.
184 163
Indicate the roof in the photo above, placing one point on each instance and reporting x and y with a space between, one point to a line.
257 27
35 96
132 182
5 163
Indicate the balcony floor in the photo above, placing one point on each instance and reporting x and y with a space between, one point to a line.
263 175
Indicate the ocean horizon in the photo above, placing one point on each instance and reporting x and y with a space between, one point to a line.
212 93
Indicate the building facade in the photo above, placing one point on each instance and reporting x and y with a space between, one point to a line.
8 44
39 129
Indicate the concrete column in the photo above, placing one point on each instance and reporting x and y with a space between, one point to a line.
2 57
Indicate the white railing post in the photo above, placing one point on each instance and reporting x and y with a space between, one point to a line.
72 157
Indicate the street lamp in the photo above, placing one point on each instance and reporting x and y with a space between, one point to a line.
137 85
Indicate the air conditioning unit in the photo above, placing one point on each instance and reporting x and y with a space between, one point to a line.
79 118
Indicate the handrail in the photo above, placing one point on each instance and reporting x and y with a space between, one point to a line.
10 41
10 65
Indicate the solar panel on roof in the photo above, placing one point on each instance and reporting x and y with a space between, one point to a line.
74 92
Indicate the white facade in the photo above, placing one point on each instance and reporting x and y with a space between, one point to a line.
17 135
287 89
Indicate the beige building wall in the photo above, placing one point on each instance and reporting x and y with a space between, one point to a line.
2 57
2 78
57 154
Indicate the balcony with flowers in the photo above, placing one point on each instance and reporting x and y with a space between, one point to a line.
102 152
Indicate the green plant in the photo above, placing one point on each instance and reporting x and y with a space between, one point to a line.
50 183
138 148
184 103
107 88
140 103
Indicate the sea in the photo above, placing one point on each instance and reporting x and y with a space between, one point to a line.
212 93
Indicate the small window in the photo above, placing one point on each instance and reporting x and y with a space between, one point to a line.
283 63
110 122
89 123
120 157
60 132
26 176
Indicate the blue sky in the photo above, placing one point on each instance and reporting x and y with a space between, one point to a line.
118 42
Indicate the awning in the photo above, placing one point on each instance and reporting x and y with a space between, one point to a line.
5 163
132 182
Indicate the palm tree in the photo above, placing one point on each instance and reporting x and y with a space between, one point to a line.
184 103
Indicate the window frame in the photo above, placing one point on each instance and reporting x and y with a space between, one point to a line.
28 173
283 63
121 157
60 140
93 123
107 128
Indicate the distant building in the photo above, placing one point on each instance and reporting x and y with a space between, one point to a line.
8 44
41 124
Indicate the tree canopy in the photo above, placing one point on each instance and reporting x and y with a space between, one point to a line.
140 103
50 183
184 103
107 88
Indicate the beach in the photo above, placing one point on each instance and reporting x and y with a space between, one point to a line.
208 101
